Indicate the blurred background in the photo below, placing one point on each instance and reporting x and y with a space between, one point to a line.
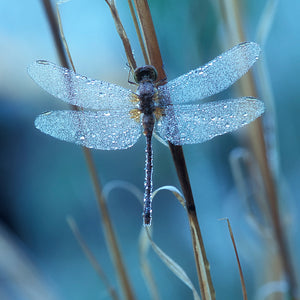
43 180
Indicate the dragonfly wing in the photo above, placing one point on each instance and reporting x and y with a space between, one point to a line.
192 124
77 89
214 77
93 129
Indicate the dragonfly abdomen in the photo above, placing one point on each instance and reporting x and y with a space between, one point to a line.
147 213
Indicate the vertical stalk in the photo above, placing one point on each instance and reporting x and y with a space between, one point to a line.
153 52
107 225
258 145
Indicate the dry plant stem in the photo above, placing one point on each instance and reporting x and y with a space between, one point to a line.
122 33
259 149
91 258
62 35
137 29
271 191
55 33
144 244
151 43
202 265
110 235
245 297
109 231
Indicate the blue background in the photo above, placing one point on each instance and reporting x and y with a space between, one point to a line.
43 180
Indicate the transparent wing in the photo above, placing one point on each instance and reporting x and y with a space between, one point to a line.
77 89
192 124
99 130
214 77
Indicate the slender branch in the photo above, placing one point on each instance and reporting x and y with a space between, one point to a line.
91 257
55 33
137 29
259 148
202 265
122 33
245 297
151 43
107 225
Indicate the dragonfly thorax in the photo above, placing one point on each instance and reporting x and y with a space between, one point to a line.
145 76
147 93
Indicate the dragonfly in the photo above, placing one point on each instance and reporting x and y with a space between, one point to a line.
115 117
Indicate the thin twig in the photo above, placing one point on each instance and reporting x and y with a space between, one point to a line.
91 257
202 265
63 36
55 33
260 151
107 225
149 36
108 229
245 297
138 32
144 243
122 33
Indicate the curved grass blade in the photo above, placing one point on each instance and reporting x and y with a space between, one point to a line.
90 256
173 266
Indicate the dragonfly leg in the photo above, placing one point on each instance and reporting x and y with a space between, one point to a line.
130 73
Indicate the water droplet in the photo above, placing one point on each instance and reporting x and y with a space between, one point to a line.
43 62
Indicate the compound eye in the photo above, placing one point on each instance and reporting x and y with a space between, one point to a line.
137 75
153 73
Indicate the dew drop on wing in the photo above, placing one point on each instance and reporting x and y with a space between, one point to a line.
199 123
91 129
214 77
61 83
43 62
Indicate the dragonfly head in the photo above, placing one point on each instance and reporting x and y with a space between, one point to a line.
145 73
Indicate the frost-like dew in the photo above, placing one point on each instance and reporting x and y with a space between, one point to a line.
214 77
77 89
192 124
91 129
117 122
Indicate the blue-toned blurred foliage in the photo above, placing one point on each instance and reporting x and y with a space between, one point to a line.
43 180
